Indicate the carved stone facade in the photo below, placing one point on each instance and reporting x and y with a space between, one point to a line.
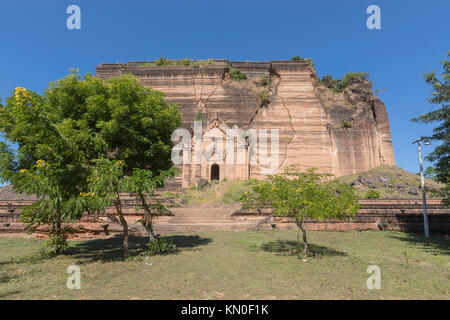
339 133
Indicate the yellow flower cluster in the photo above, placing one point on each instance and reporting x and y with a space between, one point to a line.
298 190
21 95
120 163
42 164
23 171
87 195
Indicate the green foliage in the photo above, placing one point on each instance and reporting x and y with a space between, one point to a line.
372 194
430 173
49 160
162 62
264 81
440 156
298 58
349 78
55 245
328 81
303 194
338 85
162 246
263 98
346 124
237 74
83 142
378 91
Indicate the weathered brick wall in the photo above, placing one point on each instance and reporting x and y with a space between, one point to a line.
396 215
309 134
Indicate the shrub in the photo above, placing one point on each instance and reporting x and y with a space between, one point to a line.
263 98
346 124
328 81
298 58
338 85
372 194
162 246
237 74
186 62
162 61
349 78
55 245
264 81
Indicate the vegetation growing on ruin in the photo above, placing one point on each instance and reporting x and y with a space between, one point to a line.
164 62
372 194
389 183
236 74
346 124
332 99
263 98
338 85
298 58
386 181
264 81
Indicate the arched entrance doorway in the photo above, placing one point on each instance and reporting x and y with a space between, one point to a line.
215 173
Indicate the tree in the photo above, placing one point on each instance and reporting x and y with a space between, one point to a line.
303 194
79 127
440 156
108 180
134 130
45 163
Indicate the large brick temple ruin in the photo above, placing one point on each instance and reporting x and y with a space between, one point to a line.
337 132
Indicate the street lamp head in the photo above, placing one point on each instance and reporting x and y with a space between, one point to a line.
426 141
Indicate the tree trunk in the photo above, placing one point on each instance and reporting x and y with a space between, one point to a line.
151 234
299 224
118 205
147 219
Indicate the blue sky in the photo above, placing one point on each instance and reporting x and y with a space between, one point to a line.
37 47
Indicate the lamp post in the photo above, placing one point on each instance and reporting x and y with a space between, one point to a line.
422 187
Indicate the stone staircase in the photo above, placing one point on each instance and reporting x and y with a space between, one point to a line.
209 217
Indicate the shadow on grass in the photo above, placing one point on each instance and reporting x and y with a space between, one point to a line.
432 245
296 248
6 277
9 293
35 258
111 249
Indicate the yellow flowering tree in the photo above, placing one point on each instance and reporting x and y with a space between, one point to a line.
60 142
41 160
298 194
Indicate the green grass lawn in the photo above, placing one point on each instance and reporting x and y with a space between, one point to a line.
234 265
